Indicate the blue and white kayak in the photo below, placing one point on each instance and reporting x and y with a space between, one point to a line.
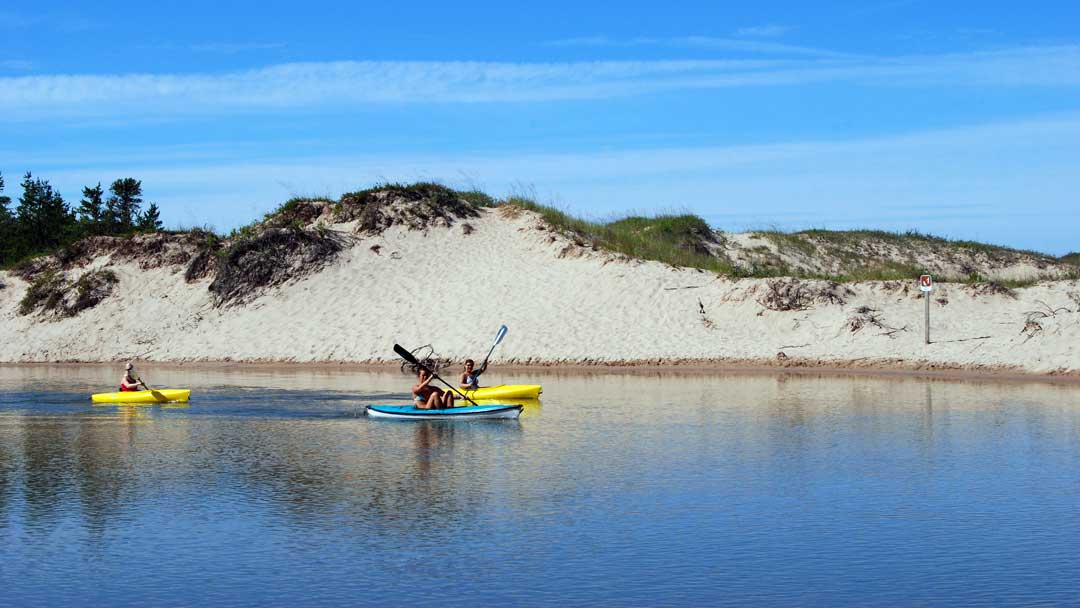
467 412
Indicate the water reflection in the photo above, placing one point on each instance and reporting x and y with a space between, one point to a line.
761 485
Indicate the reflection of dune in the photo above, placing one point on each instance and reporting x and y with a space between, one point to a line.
133 412
593 433
175 406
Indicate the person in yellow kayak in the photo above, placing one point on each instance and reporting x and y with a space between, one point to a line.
430 397
131 382
470 378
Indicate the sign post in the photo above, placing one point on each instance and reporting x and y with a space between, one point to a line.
926 284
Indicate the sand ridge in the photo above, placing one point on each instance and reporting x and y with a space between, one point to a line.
564 304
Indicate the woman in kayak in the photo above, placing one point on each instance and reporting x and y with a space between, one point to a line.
470 378
430 397
131 382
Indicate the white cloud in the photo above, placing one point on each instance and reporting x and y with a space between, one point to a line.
764 31
582 41
753 46
230 48
307 85
1013 183
704 42
59 21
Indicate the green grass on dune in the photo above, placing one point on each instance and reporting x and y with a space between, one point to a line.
911 238
682 240
678 240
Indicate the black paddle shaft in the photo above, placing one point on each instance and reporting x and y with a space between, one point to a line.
404 354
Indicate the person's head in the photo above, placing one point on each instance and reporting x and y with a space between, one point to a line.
422 374
129 368
469 364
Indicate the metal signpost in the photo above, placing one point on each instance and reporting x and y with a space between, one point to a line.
926 284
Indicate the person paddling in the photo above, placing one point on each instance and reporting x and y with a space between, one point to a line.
470 378
430 397
131 382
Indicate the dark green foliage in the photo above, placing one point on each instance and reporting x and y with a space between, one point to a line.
679 240
91 211
51 293
46 291
43 217
4 200
208 246
270 258
685 232
1071 258
8 248
296 212
478 198
42 221
90 290
416 206
151 220
122 209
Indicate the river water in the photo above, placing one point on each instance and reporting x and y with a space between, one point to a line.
271 488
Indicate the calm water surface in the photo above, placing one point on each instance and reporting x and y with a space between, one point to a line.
271 488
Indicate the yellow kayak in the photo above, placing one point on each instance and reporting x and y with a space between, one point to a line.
504 391
163 395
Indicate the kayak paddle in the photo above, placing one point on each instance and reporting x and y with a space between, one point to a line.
499 335
404 354
145 385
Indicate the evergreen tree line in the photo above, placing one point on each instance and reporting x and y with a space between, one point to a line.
42 221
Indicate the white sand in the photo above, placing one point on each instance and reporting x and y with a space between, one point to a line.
562 303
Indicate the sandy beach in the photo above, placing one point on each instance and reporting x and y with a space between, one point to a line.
564 303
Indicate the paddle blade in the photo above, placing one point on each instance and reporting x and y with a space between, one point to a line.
500 335
404 354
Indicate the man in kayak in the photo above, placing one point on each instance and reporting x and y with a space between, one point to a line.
470 378
430 397
131 382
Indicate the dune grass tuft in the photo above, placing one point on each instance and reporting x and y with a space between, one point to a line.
52 292
678 240
272 257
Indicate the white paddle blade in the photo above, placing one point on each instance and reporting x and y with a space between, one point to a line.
500 335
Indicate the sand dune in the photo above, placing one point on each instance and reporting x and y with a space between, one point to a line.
563 303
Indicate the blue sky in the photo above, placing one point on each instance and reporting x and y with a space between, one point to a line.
960 119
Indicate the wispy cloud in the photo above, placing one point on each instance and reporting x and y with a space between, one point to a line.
752 46
589 41
972 182
764 31
307 85
62 22
737 44
230 48
15 64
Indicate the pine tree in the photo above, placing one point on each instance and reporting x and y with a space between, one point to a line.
5 213
7 228
92 211
151 220
43 217
122 208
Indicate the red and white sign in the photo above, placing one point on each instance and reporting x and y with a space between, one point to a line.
926 283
